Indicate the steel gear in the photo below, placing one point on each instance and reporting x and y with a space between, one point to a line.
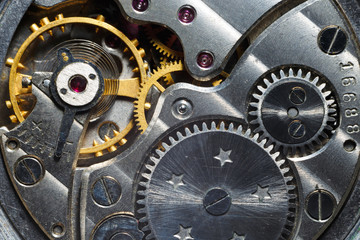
216 183
163 46
19 91
301 105
141 104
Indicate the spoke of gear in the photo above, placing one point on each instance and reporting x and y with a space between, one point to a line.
141 104
163 46
20 76
214 183
295 111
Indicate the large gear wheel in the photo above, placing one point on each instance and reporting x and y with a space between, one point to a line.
20 92
141 104
215 183
303 107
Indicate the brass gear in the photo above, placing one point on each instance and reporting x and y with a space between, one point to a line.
17 75
141 105
160 46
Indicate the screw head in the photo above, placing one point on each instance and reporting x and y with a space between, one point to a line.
28 170
297 129
58 230
320 205
140 5
297 95
182 109
186 14
217 202
205 59
332 40
106 191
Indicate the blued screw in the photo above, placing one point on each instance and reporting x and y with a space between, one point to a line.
140 5
320 205
28 171
297 95
297 129
186 14
205 59
332 40
217 202
107 128
106 191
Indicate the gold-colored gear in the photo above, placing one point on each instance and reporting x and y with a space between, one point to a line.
141 105
160 46
130 88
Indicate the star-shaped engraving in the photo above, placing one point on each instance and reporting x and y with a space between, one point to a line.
238 237
262 193
176 181
224 157
184 233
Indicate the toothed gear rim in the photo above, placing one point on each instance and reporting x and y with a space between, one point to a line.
256 194
300 104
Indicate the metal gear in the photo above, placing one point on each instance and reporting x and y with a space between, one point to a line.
302 106
163 47
216 183
141 104
19 91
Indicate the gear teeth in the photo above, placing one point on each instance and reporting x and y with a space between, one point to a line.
99 153
300 73
322 87
172 140
112 148
204 127
60 17
34 28
291 73
274 77
267 82
221 126
327 94
140 104
240 129
261 89
180 136
257 96
316 81
45 21
165 146
160 153
10 61
14 119
309 146
188 132
8 104
282 74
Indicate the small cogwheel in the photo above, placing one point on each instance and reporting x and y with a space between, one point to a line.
141 104
216 183
295 111
163 41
